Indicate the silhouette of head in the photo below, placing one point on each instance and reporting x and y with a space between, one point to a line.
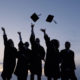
37 41
10 42
55 43
67 45
26 44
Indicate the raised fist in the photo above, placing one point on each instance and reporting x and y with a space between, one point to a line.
19 33
32 25
3 29
43 30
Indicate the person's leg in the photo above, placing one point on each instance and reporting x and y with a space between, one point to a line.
25 77
22 77
8 78
48 78
4 78
18 78
64 75
63 78
39 77
55 78
32 77
73 76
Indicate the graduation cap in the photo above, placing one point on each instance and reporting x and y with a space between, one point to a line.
35 17
50 18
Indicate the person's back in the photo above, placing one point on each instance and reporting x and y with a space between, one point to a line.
67 59
52 63
21 70
38 54
67 63
9 60
20 61
28 54
51 67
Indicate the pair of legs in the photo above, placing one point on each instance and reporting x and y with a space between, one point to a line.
68 75
5 78
38 77
22 77
71 78
49 78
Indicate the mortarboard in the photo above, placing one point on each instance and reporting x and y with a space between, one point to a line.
50 18
34 17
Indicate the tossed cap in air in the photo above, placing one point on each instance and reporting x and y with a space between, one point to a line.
34 17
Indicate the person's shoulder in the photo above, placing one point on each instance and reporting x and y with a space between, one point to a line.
63 50
41 47
29 50
15 49
72 52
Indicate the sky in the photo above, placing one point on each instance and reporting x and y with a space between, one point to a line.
15 16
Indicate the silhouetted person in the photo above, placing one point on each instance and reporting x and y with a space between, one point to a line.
38 54
28 55
67 63
51 67
21 70
9 60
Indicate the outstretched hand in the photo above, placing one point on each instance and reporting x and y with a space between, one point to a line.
3 29
32 25
19 33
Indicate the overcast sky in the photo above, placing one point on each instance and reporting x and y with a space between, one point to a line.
15 16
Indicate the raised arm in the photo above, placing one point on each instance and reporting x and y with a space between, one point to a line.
4 36
32 29
20 37
20 45
46 37
32 37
